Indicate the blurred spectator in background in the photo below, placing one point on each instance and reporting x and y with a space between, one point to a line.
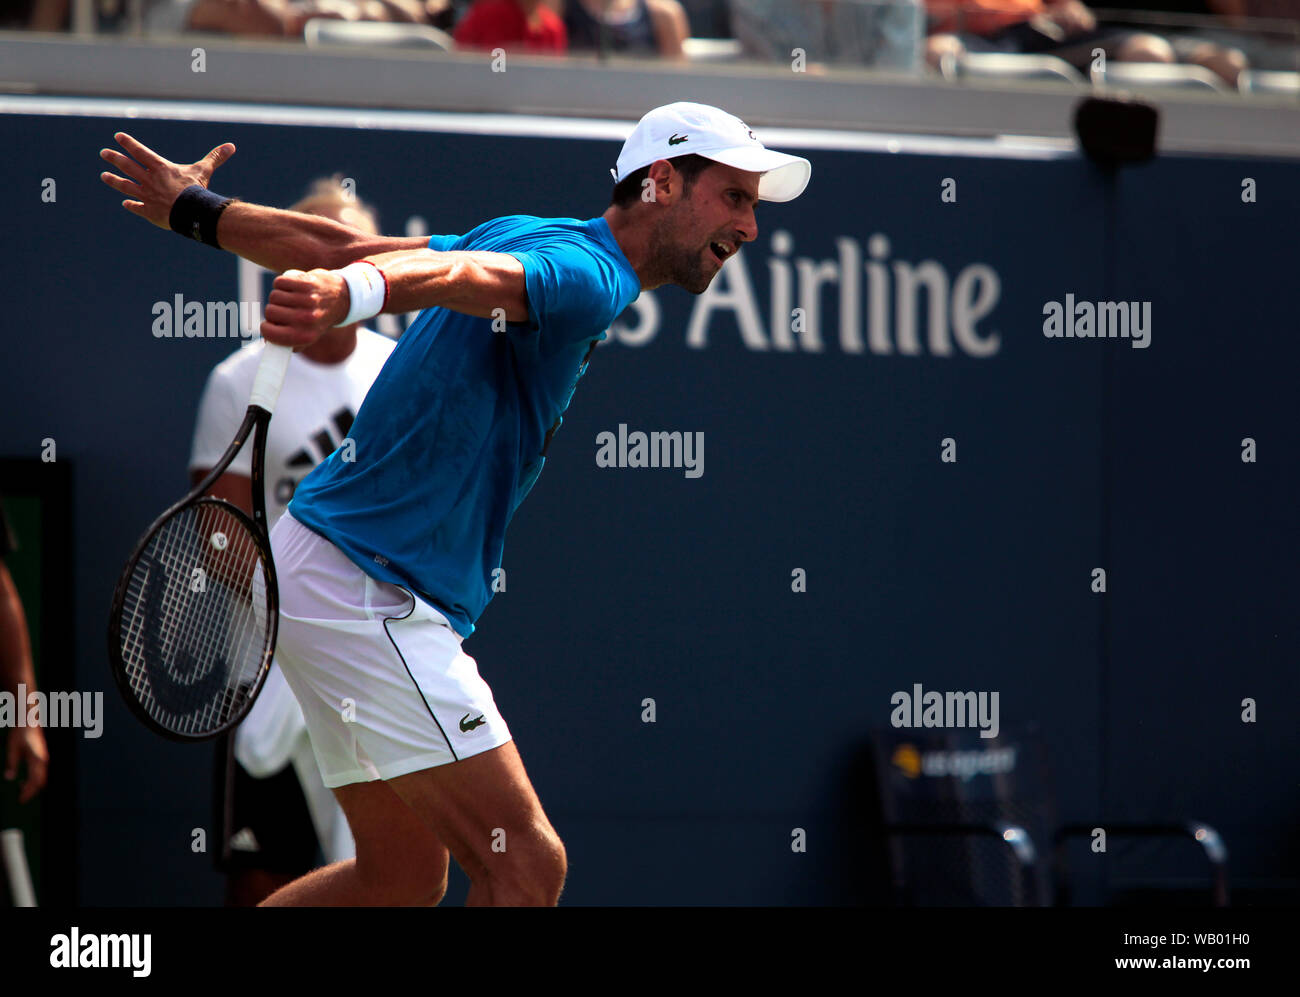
513 25
1063 28
443 14
38 15
1264 34
628 27
23 745
264 18
274 18
1226 62
884 34
236 17
1270 39
708 18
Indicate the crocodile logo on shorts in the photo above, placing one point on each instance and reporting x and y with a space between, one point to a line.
467 725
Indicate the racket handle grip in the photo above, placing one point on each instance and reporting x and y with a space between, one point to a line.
15 868
270 375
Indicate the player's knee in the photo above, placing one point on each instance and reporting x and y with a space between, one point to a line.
422 884
534 873
559 867
435 890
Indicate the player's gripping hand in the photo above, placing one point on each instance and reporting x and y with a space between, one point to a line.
152 183
303 305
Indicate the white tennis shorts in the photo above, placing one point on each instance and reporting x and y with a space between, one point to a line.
383 683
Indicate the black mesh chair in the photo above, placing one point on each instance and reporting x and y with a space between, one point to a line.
970 821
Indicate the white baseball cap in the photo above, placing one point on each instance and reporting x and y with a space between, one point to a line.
683 128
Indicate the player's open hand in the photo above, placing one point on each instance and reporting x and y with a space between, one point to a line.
303 305
27 744
152 183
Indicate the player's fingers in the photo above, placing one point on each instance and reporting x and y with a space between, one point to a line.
292 280
287 284
303 287
135 207
287 298
124 164
217 156
286 335
305 324
287 314
120 184
139 150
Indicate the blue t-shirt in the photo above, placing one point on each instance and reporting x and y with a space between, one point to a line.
454 431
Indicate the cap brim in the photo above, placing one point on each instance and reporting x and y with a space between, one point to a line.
784 177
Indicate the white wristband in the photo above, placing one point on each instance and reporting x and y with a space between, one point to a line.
367 289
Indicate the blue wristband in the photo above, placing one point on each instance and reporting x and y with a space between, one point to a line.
195 213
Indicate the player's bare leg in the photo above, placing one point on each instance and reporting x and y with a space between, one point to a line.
486 811
399 861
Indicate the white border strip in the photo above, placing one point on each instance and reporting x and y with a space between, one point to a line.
519 125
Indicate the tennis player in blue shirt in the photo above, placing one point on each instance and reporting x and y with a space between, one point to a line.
387 552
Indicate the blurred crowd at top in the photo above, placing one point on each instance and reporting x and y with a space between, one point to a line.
1223 37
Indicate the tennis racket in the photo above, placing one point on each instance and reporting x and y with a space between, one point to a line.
194 617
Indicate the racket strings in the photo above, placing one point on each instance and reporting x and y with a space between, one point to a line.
196 618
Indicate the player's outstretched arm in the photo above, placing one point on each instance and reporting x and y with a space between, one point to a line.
278 240
489 285
286 240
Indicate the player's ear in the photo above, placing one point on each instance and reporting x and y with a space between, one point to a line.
665 183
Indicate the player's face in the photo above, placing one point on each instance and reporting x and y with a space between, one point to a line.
707 226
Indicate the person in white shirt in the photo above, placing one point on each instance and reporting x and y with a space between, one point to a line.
274 811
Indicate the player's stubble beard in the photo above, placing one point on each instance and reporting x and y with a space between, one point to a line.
677 261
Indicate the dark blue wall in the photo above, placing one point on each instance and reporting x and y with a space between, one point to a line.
633 583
